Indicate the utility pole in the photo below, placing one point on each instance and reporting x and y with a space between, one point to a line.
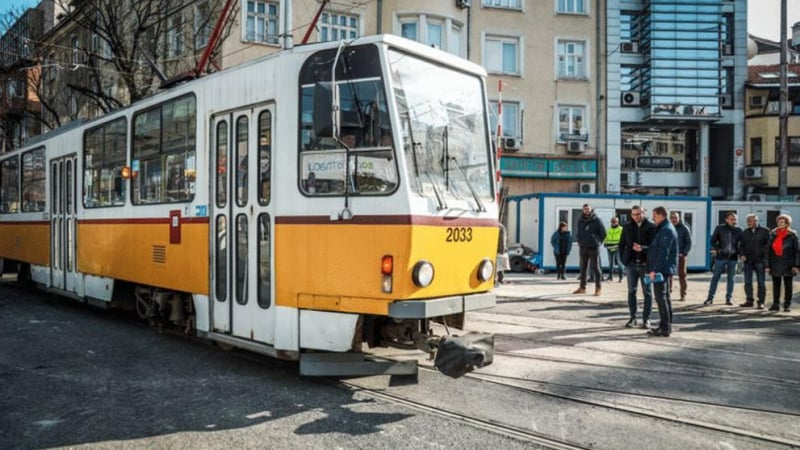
783 126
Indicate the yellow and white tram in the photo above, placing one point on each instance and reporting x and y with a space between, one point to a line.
317 199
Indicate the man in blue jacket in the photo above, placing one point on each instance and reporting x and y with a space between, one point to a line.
662 258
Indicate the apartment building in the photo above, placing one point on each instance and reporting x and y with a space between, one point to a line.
676 72
762 122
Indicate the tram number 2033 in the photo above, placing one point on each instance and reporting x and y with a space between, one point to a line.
459 234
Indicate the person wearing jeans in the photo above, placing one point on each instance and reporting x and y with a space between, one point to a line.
662 259
636 236
725 245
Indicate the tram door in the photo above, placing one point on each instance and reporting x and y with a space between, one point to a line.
62 223
242 220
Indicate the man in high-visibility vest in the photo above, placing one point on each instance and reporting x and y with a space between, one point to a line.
612 246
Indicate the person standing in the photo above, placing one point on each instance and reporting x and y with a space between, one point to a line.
724 245
590 235
612 247
662 258
753 248
636 237
561 240
783 261
684 247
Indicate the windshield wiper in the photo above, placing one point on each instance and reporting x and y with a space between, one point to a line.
478 202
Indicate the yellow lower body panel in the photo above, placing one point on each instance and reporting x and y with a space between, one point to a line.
337 267
142 253
27 242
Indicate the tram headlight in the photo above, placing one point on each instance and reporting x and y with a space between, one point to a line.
423 273
485 270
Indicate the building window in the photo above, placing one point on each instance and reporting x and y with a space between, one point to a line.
794 150
76 51
261 22
501 54
335 27
755 151
202 24
440 32
174 36
571 61
571 123
571 6
511 119
510 4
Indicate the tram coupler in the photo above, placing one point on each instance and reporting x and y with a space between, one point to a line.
458 355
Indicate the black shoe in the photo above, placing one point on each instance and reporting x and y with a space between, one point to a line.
631 323
708 302
747 304
620 279
728 302
787 309
760 305
775 307
657 332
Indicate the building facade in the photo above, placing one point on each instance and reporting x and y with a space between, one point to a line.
762 122
676 71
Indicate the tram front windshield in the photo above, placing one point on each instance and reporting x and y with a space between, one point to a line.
443 129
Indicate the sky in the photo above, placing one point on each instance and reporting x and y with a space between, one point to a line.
762 21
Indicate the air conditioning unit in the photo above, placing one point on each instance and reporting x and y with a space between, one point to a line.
752 172
463 3
726 101
586 188
757 101
510 144
576 147
629 47
756 197
631 98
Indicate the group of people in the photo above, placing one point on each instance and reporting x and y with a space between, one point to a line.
653 252
762 251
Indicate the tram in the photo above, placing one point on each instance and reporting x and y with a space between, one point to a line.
314 201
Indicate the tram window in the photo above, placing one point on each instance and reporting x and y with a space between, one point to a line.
222 258
264 279
104 156
241 160
326 167
241 259
164 155
33 175
69 187
222 164
9 186
264 156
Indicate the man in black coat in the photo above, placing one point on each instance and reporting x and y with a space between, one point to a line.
636 237
725 246
752 248
590 235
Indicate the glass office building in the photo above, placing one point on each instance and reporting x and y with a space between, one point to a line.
676 70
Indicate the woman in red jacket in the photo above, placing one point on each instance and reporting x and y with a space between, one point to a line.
782 261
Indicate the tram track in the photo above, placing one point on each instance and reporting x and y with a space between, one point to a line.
510 431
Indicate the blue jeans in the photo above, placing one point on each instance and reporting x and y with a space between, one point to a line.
758 268
729 266
635 272
613 257
664 305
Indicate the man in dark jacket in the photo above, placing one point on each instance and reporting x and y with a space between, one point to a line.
684 246
752 248
725 246
662 258
590 235
636 237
